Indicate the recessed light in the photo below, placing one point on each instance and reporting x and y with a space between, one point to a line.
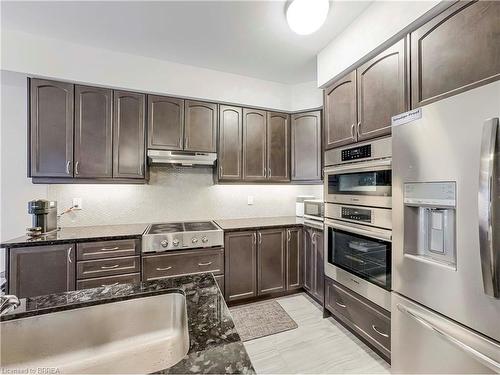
306 16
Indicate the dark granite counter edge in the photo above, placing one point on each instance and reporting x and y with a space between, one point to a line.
34 242
256 227
215 346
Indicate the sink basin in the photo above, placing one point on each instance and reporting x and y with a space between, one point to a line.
140 335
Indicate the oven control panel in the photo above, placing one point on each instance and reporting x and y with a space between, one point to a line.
357 153
356 214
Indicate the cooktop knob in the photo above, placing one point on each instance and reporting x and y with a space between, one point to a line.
175 242
204 239
164 243
194 240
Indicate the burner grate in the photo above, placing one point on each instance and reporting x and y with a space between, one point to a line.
199 226
165 228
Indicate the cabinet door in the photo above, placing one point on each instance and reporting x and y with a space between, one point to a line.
200 129
293 258
381 92
340 112
39 270
278 149
455 51
51 128
308 260
93 132
306 146
128 135
254 144
230 143
319 267
165 123
271 261
240 249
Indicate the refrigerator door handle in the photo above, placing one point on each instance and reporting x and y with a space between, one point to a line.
477 355
489 251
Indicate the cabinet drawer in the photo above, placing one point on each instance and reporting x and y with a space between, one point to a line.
107 267
107 249
369 321
183 263
108 281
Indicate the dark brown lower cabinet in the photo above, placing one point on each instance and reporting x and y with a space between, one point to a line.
39 270
271 261
294 255
314 263
240 265
369 321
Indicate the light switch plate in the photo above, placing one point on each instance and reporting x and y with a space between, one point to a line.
77 204
250 200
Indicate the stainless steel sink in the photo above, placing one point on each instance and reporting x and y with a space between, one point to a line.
141 335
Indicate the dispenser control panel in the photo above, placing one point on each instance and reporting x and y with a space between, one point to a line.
441 194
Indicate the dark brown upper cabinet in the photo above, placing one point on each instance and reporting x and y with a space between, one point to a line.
294 258
254 145
51 128
40 270
455 51
382 92
129 134
93 132
306 146
200 129
278 146
240 265
340 112
165 123
230 143
271 261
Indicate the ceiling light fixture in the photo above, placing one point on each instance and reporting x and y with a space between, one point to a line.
306 16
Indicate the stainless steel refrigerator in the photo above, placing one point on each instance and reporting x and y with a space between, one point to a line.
446 237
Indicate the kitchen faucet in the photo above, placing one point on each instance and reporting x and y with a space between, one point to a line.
8 303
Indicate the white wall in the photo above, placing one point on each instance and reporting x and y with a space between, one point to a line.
306 96
378 23
46 57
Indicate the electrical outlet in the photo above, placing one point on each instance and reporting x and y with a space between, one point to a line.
250 200
77 204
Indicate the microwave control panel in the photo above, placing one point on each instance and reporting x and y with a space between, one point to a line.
355 153
357 214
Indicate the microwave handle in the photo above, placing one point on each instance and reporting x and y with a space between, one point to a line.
361 232
488 250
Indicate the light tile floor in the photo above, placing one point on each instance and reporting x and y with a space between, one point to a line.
317 346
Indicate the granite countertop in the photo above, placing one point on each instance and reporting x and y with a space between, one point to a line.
261 222
214 343
80 234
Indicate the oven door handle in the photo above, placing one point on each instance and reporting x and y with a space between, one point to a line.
369 166
361 232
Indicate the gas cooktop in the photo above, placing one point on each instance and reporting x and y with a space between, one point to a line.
181 235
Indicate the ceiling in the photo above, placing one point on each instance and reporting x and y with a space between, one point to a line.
249 38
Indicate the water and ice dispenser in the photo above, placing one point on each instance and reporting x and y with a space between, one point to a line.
429 222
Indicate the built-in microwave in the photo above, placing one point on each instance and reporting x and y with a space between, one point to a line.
360 175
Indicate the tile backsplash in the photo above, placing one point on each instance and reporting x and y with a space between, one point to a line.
176 193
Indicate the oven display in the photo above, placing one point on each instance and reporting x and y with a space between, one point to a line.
357 214
357 153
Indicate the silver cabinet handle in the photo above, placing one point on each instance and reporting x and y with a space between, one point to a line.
106 285
141 169
353 134
341 304
288 235
488 249
269 172
68 164
374 327
260 237
68 255
110 267
109 248
313 237
484 359
163 269
254 238
358 130
220 171
76 167
204 264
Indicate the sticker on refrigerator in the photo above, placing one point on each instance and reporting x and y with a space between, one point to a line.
406 117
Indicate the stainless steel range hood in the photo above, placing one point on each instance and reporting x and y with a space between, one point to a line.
185 158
